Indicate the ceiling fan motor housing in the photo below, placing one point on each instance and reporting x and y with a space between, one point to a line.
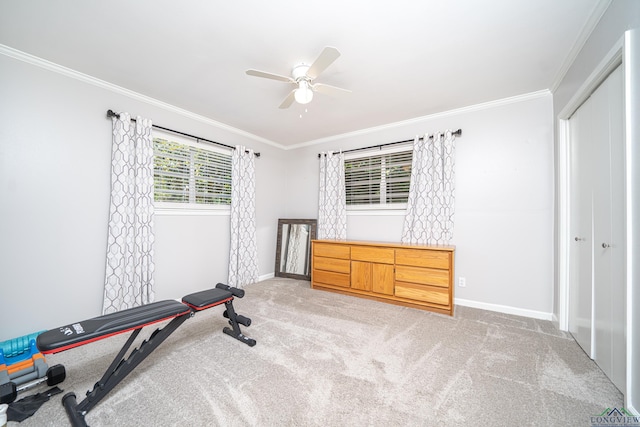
299 72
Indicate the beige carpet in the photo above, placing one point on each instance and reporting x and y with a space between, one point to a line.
324 359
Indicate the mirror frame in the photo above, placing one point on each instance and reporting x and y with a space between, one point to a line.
313 225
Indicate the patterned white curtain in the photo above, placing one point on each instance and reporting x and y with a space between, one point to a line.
431 204
332 204
243 253
129 266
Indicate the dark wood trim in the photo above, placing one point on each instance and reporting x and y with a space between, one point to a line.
313 225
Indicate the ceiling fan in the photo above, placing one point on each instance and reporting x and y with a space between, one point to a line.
303 77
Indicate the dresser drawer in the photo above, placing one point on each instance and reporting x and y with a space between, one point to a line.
369 254
331 278
424 258
431 294
331 251
332 264
423 276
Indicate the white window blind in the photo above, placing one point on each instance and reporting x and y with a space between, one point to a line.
380 179
188 174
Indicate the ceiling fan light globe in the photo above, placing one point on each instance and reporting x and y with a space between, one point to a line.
303 95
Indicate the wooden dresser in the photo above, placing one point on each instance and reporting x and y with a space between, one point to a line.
410 275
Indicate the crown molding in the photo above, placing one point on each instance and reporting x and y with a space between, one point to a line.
51 66
462 110
598 11
56 68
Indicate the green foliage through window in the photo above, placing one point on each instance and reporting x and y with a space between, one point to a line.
379 179
186 174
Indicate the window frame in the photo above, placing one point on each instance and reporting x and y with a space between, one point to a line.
175 208
382 208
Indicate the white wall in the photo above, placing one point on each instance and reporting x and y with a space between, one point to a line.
504 199
54 184
55 154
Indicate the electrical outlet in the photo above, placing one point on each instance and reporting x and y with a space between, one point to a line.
462 282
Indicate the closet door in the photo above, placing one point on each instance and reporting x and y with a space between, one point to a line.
597 293
618 243
581 277
608 226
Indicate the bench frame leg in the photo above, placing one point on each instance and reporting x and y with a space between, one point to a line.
234 331
118 370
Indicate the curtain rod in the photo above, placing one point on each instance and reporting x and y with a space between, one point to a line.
111 113
456 133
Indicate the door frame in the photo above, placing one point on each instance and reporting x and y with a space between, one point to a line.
609 63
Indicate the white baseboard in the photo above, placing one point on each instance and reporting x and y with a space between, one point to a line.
504 309
476 304
266 276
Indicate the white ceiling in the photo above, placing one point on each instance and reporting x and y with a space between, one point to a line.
403 59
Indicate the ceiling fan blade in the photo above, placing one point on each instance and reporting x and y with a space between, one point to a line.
326 58
257 73
330 90
288 100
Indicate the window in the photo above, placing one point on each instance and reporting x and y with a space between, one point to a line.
380 180
187 175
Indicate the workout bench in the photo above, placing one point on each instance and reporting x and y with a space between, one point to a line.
134 319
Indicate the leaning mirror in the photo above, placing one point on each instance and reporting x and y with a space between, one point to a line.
293 248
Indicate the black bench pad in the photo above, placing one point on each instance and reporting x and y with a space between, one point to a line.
206 299
80 333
